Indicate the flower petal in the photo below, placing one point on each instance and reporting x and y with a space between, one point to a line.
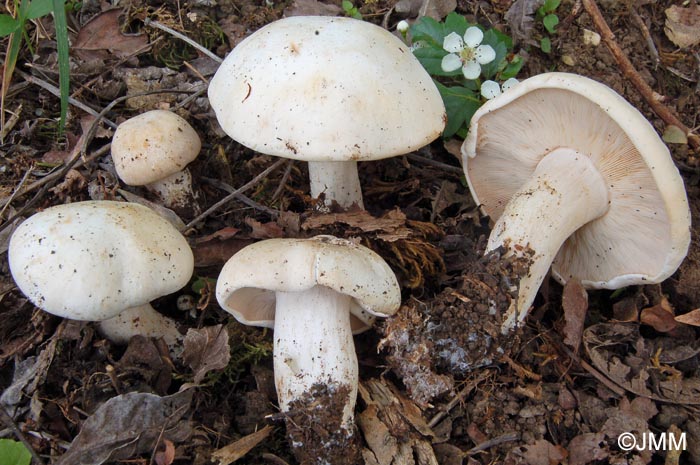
450 63
509 83
490 89
473 37
471 69
453 43
485 54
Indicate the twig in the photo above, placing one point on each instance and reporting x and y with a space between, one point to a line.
647 36
283 181
232 195
457 399
57 92
590 369
14 193
566 22
10 422
631 73
508 437
437 164
240 197
173 32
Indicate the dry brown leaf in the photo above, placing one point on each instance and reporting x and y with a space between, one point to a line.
167 456
626 310
586 448
691 318
682 25
206 349
660 317
575 304
222 234
213 253
260 230
543 452
312 8
391 227
240 448
102 33
127 425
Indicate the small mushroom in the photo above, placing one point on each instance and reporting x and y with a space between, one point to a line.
102 260
153 150
315 293
576 176
330 91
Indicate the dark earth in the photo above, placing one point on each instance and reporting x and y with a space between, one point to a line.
586 367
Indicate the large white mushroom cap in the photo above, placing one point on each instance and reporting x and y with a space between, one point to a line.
645 233
152 146
247 284
319 88
92 260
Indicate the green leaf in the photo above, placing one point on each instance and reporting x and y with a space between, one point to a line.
455 22
429 31
460 105
14 453
347 5
39 8
551 5
550 22
431 59
8 25
490 69
512 68
61 23
546 44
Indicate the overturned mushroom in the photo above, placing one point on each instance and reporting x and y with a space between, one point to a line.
578 178
330 91
102 261
153 150
315 293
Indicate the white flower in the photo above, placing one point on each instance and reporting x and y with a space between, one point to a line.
491 89
467 53
402 26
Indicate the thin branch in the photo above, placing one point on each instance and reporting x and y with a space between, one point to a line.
10 422
631 73
174 33
233 194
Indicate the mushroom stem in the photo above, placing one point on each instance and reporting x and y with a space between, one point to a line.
565 192
338 180
314 347
142 320
175 192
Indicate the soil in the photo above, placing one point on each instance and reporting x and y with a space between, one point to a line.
561 390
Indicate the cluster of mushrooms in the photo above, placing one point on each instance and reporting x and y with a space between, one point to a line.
572 174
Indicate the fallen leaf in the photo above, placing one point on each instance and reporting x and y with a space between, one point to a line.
660 317
691 318
264 230
103 33
674 135
240 448
543 452
626 310
312 8
127 425
206 349
222 234
390 227
521 18
586 448
574 302
437 9
682 25
167 456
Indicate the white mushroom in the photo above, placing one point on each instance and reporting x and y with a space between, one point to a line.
330 91
153 150
314 293
102 260
574 174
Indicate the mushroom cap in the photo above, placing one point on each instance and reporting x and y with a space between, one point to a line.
318 88
248 281
91 260
153 146
645 234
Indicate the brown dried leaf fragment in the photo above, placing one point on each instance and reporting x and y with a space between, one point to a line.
206 349
682 25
